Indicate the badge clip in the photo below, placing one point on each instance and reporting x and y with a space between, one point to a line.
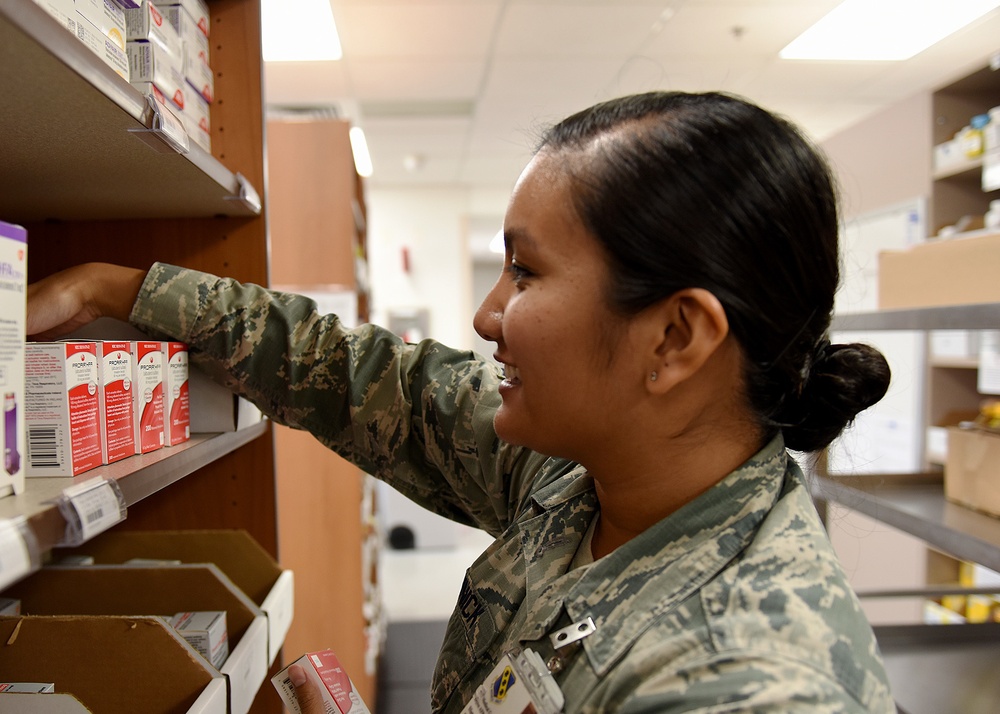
573 633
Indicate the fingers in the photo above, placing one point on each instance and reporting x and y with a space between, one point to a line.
310 700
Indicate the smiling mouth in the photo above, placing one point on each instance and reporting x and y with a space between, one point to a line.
511 375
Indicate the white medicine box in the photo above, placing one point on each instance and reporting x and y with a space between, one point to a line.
13 283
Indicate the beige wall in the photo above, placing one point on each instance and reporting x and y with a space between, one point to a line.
885 159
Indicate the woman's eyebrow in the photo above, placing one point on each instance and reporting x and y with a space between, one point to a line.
514 237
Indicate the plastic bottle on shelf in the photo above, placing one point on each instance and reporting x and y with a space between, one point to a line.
971 137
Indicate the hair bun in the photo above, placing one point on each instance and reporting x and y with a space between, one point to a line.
842 381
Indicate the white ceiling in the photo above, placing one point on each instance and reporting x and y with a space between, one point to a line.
453 92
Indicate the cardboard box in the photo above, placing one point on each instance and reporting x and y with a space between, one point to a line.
198 11
234 552
325 671
96 655
13 286
101 45
117 418
176 394
972 471
206 632
195 41
147 395
62 408
118 590
954 271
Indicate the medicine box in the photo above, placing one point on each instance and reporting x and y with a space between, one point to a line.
117 413
13 283
177 403
62 405
325 671
106 16
198 11
150 62
148 24
100 44
147 395
195 41
197 121
206 632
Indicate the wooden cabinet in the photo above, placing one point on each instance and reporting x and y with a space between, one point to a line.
325 523
82 172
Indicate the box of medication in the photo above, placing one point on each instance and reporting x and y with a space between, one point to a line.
148 24
197 9
197 121
207 633
106 16
62 405
325 671
100 44
177 402
147 395
117 413
150 62
13 284
195 41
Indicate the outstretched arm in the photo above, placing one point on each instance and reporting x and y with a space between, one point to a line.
74 297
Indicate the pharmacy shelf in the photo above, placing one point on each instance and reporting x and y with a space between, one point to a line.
138 477
75 138
915 504
942 669
981 316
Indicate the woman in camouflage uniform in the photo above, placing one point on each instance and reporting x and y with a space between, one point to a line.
662 317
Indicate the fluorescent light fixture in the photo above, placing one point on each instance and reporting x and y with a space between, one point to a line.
359 147
881 30
302 31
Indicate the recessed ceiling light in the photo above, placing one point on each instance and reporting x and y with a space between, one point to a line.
881 30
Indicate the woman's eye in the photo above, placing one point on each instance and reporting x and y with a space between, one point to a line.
518 272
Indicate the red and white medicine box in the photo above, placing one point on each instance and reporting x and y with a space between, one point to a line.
13 286
206 632
177 401
197 9
151 62
117 413
325 671
147 395
147 24
62 408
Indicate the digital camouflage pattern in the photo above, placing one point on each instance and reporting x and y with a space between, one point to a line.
736 602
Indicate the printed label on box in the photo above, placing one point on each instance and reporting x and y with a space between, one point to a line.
63 408
13 284
325 671
147 396
177 422
117 414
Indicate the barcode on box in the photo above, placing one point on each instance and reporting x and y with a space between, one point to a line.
43 449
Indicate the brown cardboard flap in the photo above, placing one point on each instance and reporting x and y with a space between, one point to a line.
235 552
136 591
110 664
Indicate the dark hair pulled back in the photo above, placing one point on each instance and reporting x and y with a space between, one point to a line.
710 191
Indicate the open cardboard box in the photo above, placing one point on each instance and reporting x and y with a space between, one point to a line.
235 552
111 665
952 271
158 591
972 471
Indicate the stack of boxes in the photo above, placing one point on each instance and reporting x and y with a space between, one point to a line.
160 48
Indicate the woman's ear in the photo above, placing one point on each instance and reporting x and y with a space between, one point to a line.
690 325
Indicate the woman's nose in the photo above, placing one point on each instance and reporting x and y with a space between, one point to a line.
488 317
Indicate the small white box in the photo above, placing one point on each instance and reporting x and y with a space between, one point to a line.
199 76
198 11
197 121
177 405
100 44
325 671
215 409
149 62
148 24
9 606
195 41
147 395
62 10
954 344
63 409
207 633
13 284
117 412
107 16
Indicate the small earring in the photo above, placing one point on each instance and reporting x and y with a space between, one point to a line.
652 377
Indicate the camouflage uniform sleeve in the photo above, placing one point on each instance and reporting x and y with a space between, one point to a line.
417 416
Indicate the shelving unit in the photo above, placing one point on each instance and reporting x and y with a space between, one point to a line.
933 668
88 177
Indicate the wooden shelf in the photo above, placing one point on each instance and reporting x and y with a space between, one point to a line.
139 477
71 151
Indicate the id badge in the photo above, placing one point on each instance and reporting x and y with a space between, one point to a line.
519 684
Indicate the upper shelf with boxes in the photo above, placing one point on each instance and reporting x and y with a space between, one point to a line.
108 113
